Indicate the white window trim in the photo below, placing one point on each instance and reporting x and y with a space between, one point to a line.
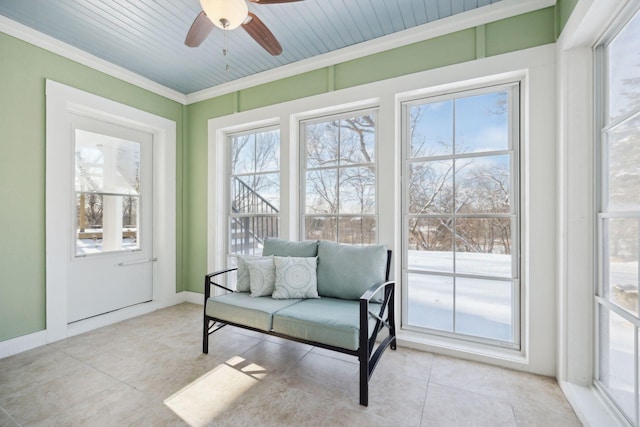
535 67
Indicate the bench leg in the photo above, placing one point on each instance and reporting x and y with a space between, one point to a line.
364 380
205 336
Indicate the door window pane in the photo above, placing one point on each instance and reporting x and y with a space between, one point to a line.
108 191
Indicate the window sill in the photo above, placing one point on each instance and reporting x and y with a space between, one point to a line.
591 407
507 358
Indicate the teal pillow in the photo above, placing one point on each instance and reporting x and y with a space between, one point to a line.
295 277
262 276
278 247
347 271
242 275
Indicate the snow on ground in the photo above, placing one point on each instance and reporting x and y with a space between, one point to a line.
482 307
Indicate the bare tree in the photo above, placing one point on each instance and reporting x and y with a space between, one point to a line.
341 179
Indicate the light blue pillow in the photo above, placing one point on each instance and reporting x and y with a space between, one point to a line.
279 247
242 275
262 276
347 271
295 277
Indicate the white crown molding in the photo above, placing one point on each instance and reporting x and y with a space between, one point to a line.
493 12
36 38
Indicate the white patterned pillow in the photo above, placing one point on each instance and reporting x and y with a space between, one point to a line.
262 275
243 281
295 277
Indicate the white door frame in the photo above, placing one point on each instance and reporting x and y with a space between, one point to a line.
62 102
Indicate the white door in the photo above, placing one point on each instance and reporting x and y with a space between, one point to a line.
111 264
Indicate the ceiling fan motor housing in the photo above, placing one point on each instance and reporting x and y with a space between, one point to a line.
226 14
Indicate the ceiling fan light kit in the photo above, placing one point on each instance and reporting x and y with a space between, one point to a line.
230 14
225 14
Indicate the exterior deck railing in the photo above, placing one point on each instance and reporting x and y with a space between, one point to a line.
254 218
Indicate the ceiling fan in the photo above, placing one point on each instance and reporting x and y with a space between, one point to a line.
228 15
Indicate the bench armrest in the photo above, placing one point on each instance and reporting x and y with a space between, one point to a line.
374 289
208 282
388 306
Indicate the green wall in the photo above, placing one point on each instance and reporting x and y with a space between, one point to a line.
23 70
508 35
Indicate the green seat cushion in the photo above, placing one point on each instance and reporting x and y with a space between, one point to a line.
328 321
243 309
278 247
347 271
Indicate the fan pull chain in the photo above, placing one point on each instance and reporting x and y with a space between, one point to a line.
225 49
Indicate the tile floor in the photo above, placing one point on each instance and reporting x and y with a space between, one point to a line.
150 371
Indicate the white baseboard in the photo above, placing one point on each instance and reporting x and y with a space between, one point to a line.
590 406
23 343
37 339
194 297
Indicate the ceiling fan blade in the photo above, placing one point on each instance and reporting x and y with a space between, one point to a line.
200 29
260 33
272 1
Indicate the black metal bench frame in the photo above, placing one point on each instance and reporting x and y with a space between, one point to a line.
368 354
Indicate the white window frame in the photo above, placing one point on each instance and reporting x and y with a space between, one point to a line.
603 125
218 173
514 152
230 175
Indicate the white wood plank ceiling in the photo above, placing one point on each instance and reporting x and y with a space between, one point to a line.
147 36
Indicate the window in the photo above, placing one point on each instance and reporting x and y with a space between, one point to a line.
107 186
618 216
460 210
339 178
254 190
